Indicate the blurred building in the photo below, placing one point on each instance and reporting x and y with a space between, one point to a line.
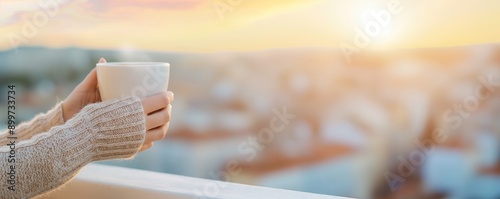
353 121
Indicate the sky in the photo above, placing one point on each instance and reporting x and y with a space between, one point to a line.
247 25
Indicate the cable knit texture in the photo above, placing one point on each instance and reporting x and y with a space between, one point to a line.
50 152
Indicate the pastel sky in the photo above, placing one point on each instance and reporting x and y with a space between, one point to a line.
240 25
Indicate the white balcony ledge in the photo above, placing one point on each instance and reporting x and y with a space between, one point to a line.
100 181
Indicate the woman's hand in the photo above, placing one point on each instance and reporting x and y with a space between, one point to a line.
157 109
85 93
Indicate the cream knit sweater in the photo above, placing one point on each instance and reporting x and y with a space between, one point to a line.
49 152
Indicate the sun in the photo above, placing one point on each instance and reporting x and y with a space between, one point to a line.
377 24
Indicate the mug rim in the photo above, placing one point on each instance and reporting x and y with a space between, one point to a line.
133 64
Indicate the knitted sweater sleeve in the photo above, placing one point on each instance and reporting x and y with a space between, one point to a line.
107 130
40 123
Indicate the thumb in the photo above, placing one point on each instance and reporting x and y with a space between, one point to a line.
90 82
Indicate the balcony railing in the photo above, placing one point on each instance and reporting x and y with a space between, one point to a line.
100 181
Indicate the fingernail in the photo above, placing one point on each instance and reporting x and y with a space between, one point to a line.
170 96
102 60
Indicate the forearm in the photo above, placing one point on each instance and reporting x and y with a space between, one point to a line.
109 130
40 123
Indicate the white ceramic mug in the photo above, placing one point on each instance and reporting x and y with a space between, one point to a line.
139 79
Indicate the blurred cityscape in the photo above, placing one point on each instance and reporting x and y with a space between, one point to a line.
419 123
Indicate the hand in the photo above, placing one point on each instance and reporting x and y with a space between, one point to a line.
157 109
85 93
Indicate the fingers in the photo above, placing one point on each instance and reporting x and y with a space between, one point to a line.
146 147
155 102
157 119
156 134
170 96
157 109
90 82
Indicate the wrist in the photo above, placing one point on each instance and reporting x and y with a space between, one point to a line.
68 110
118 128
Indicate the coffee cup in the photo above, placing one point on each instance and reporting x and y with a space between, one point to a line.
138 79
